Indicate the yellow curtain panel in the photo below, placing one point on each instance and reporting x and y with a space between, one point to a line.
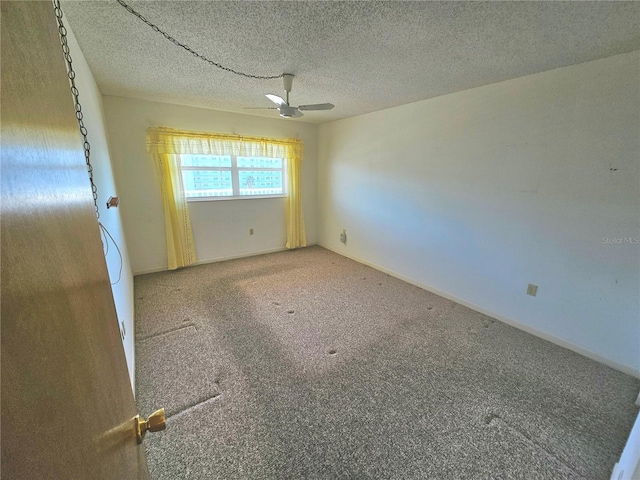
180 246
296 236
167 144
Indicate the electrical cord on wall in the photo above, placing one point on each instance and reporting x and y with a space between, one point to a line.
104 233
104 229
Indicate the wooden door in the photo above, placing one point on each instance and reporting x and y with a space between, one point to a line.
67 405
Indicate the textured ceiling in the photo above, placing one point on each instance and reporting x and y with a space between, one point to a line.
360 56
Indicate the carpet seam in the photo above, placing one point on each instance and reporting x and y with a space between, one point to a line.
193 405
166 332
537 445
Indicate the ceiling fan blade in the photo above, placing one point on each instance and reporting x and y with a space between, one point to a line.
298 113
260 108
275 99
317 106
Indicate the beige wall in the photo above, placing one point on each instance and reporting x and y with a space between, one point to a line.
475 195
117 263
221 228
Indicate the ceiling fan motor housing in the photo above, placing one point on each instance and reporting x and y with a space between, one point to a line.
287 111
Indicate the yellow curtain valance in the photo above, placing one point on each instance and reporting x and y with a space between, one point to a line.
176 142
167 144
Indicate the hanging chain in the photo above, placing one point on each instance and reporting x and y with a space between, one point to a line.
190 50
76 101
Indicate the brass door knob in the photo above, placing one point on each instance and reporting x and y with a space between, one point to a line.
157 421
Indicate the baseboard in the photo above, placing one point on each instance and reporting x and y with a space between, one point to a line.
514 323
151 270
221 259
241 255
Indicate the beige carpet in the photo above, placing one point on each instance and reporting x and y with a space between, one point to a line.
304 364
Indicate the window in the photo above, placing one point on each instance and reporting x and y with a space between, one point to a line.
169 147
219 177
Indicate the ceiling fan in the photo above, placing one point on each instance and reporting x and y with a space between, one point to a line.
288 111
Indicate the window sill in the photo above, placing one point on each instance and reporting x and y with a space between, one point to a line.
244 197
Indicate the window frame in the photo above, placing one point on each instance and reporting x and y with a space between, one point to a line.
235 178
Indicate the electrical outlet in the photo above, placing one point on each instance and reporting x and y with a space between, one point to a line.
343 236
251 231
532 290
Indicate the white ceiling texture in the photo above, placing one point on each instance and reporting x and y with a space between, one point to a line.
361 56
